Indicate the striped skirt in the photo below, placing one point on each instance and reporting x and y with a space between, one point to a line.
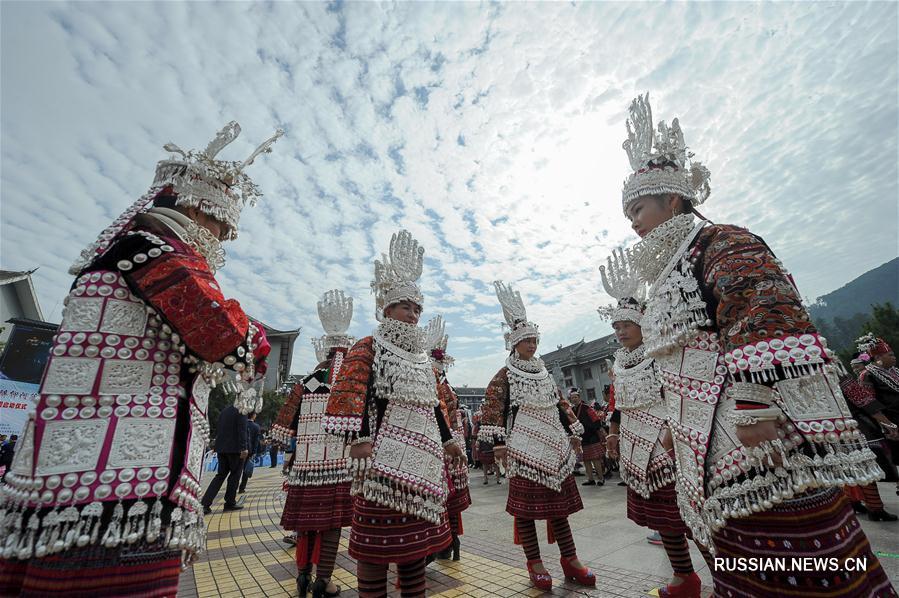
317 508
818 525
137 570
530 500
458 501
485 453
381 535
659 512
595 451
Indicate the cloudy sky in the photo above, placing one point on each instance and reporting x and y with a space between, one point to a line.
491 131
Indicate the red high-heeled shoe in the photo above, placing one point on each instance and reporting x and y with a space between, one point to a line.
541 581
583 576
691 587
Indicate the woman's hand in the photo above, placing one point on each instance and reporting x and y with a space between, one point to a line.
499 453
575 442
361 451
612 446
454 451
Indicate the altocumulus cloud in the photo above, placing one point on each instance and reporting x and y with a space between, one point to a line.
492 131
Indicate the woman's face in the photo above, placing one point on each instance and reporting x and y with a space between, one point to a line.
646 213
526 348
404 311
217 228
628 334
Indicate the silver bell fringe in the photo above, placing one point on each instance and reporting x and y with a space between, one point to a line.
525 467
58 530
491 434
319 473
645 483
773 475
458 473
404 498
281 434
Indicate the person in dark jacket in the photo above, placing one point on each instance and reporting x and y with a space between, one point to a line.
273 449
7 451
593 439
254 434
231 444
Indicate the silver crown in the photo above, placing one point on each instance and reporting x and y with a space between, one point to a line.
620 280
335 310
515 314
218 188
397 274
437 341
660 159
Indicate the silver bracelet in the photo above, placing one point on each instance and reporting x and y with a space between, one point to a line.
361 440
755 393
449 442
577 428
750 417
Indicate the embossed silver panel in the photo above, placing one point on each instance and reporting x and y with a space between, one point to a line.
141 442
71 375
82 314
126 377
68 446
124 317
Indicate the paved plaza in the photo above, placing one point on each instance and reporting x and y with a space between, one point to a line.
245 554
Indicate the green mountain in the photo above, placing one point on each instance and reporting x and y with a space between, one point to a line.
841 314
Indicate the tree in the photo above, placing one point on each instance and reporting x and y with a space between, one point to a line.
884 322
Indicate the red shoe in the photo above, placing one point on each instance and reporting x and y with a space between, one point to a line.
689 588
582 576
541 581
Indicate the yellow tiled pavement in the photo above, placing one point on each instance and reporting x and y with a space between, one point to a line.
246 557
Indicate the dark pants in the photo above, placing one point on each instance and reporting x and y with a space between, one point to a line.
230 465
273 453
247 473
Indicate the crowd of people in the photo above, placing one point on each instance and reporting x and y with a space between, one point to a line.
727 418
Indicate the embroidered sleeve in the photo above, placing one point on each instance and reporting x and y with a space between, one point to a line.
776 355
495 409
568 419
442 424
765 331
284 429
347 402
863 393
180 286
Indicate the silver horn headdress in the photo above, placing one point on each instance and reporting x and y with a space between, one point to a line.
397 273
335 310
620 280
659 159
218 188
515 314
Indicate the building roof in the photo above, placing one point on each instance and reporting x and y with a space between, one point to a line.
287 338
10 276
581 352
39 324
470 391
24 290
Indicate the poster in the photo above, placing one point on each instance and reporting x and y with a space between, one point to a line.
26 353
17 400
